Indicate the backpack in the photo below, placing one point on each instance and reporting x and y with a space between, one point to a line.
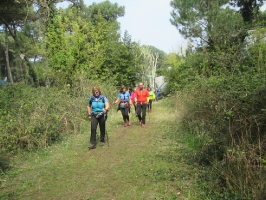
93 99
123 103
101 98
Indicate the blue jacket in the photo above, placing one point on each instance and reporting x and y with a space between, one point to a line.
124 96
97 103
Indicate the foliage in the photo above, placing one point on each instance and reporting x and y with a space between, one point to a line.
108 10
249 9
222 82
103 57
230 113
78 40
225 112
34 118
171 71
203 20
160 171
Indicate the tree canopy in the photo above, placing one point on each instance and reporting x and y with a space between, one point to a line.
62 45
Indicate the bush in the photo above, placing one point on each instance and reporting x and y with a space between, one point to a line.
32 118
229 113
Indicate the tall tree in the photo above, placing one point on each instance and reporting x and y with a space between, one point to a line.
7 59
199 20
248 8
149 65
108 10
81 47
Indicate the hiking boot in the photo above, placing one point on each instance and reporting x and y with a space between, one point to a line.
140 122
128 123
142 125
101 143
125 124
92 146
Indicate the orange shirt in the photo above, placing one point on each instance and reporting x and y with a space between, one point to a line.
141 95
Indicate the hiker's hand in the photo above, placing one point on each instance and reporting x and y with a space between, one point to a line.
90 118
104 111
114 103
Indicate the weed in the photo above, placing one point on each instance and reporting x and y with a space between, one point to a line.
137 165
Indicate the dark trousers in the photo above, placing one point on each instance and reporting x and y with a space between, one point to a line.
141 112
125 112
150 104
157 97
94 124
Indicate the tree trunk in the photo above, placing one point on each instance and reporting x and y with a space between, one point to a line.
154 67
7 60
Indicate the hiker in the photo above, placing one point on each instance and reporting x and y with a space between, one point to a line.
124 104
98 106
141 101
157 93
132 96
151 98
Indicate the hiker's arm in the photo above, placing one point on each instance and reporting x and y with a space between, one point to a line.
136 99
116 101
106 108
130 101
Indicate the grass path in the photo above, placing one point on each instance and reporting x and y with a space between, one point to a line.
140 163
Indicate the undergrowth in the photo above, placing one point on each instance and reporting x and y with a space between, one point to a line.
224 127
34 118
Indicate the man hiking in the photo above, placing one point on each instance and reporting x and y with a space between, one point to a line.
141 101
157 93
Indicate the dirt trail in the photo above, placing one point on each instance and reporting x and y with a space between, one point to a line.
140 163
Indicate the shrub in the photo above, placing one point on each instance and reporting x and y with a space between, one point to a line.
229 113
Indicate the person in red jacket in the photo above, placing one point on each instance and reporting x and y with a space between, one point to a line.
141 101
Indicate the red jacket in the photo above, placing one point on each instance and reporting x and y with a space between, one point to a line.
141 95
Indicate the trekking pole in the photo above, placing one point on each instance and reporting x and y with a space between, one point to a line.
149 114
107 139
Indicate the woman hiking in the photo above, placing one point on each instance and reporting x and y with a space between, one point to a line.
124 104
132 96
98 106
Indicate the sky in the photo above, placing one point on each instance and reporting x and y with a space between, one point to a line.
148 22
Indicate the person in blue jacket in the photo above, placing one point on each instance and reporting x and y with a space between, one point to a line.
124 104
157 93
98 106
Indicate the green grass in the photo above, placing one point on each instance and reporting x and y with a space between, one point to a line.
140 163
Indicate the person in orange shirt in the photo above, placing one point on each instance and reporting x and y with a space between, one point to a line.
141 101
